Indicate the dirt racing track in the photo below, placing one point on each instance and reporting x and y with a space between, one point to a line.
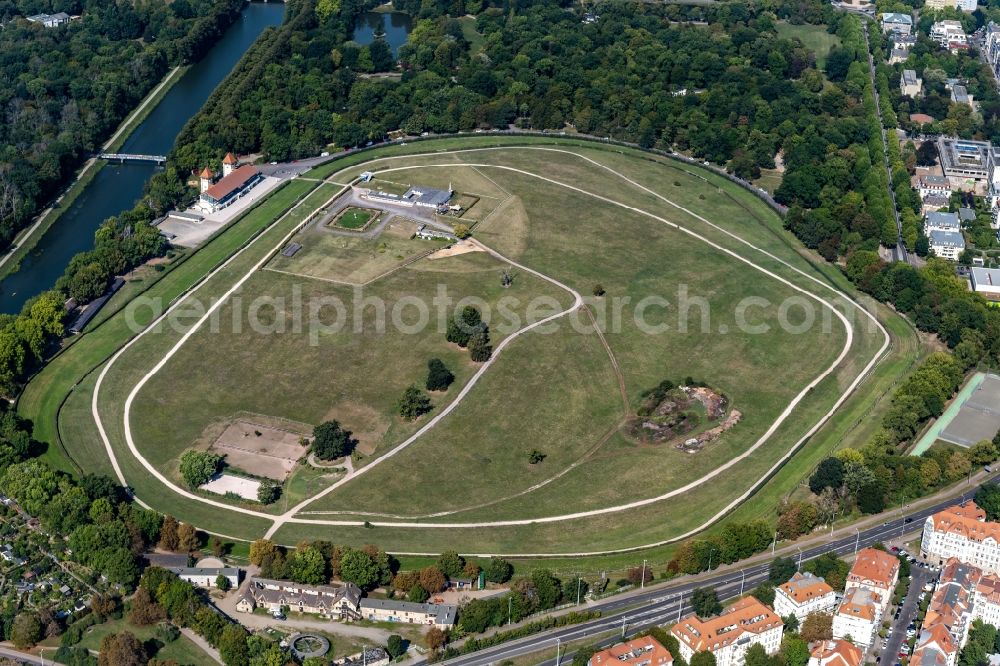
750 255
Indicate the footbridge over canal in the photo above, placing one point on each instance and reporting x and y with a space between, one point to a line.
131 157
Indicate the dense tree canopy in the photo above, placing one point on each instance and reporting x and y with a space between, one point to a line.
64 90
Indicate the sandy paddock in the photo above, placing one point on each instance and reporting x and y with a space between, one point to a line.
272 453
461 247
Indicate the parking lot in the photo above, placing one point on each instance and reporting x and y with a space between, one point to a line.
891 650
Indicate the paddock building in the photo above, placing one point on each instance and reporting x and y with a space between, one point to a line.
417 196
236 181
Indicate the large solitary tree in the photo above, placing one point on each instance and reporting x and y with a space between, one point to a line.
330 441
439 377
414 403
198 467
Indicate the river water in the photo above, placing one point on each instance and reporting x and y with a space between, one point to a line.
116 187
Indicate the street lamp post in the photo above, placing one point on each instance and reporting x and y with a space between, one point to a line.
799 566
774 543
578 589
624 621
857 541
558 645
509 599
642 580
743 578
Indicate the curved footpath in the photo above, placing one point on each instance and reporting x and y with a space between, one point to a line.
289 517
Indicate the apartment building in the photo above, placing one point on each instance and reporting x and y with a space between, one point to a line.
875 570
964 5
962 531
947 244
835 653
803 595
859 614
950 35
934 186
728 636
964 594
646 651
991 46
936 221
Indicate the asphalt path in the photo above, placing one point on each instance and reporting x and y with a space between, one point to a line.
665 604
22 657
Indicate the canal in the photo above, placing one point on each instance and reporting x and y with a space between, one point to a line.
116 187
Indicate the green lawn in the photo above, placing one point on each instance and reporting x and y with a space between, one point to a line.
769 179
354 376
470 33
567 399
183 650
557 393
814 37
356 218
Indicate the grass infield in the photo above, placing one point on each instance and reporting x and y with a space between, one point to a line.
559 393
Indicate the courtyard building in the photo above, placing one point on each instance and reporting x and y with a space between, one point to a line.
964 594
236 183
327 600
964 159
962 531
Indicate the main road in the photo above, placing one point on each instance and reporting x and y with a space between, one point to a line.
665 604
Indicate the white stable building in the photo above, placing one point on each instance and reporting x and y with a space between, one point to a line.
207 577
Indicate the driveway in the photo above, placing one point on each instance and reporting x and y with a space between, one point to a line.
919 576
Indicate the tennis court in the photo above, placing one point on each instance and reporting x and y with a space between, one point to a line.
973 416
979 417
